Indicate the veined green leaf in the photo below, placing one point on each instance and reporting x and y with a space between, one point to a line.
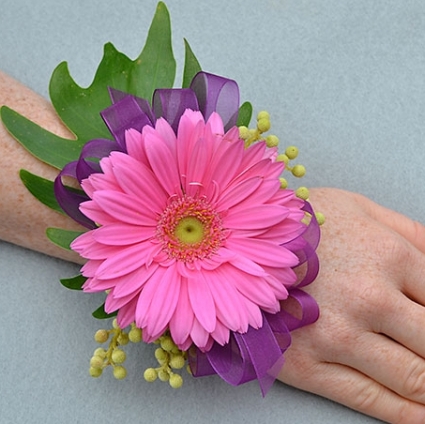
191 65
100 313
62 238
41 189
79 108
74 283
156 66
44 145
245 114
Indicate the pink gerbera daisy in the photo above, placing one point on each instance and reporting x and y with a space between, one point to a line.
192 232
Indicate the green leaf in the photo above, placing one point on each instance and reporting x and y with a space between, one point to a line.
44 145
79 108
100 313
245 114
155 67
74 283
62 238
191 65
41 189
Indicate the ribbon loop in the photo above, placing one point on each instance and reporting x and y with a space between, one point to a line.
217 94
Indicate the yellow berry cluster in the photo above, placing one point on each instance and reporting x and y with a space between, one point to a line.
113 356
297 170
250 136
253 135
170 358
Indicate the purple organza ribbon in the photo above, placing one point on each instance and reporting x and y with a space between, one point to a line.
69 199
258 353
217 94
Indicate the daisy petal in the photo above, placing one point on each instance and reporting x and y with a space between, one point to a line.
226 298
239 192
182 320
263 252
202 302
125 208
125 261
199 335
164 302
146 296
126 313
162 162
255 217
135 143
122 234
221 334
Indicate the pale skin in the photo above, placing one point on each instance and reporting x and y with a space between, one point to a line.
367 349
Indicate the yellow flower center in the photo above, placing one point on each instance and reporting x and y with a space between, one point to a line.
189 230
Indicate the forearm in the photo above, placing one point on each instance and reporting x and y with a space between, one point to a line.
23 219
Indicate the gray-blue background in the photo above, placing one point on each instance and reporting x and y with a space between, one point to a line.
343 80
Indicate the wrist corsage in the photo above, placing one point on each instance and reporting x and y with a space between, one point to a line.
190 230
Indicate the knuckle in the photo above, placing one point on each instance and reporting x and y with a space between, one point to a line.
367 397
414 383
418 235
372 300
393 253
391 247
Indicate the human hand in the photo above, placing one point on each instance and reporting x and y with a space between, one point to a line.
367 349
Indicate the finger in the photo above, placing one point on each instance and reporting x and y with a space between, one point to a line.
412 231
388 363
412 277
351 388
403 320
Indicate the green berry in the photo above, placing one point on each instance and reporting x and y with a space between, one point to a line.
123 339
120 372
254 135
135 335
302 193
150 375
243 132
298 171
95 372
272 141
263 115
163 375
283 158
263 125
96 362
100 352
177 362
176 381
320 218
291 152
101 336
118 356
283 183
167 343
160 354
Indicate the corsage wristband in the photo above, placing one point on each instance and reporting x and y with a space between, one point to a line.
190 229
